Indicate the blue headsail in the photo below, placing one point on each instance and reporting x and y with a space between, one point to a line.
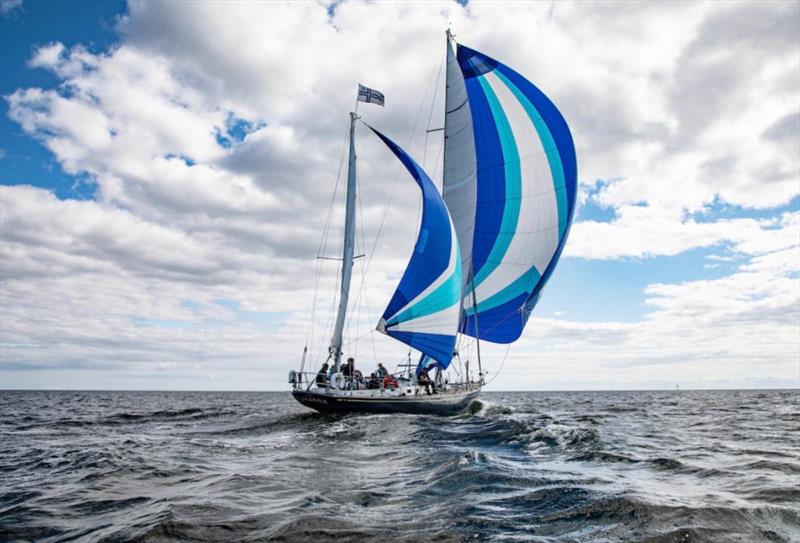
424 310
510 182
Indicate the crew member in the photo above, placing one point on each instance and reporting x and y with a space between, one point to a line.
423 379
373 382
322 376
348 368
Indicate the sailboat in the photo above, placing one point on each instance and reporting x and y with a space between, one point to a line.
485 248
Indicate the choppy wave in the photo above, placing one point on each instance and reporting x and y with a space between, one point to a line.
555 467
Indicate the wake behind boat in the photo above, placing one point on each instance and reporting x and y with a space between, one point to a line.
485 248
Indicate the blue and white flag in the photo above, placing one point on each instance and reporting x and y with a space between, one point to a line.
371 96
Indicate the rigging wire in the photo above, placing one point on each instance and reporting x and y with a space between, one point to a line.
496 373
364 276
328 325
473 341
357 303
322 245
433 104
392 192
439 155
355 339
362 285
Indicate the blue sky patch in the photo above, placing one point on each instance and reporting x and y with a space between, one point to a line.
616 287
23 160
719 210
236 130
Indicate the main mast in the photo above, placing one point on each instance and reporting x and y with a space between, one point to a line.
348 246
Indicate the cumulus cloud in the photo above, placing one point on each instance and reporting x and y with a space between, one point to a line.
214 161
638 232
738 330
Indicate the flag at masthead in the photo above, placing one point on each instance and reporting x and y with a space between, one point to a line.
371 96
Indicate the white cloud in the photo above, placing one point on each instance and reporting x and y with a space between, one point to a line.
48 56
678 107
8 6
739 330
638 232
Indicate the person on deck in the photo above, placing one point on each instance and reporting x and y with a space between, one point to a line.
358 379
347 371
381 372
322 376
347 368
423 379
373 382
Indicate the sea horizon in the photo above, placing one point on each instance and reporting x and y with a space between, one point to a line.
288 390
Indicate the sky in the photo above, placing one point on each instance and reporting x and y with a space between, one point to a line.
167 170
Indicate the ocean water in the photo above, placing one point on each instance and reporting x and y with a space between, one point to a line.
683 466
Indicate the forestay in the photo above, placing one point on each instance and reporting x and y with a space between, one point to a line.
424 310
523 188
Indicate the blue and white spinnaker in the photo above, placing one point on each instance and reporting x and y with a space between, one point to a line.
510 182
425 309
